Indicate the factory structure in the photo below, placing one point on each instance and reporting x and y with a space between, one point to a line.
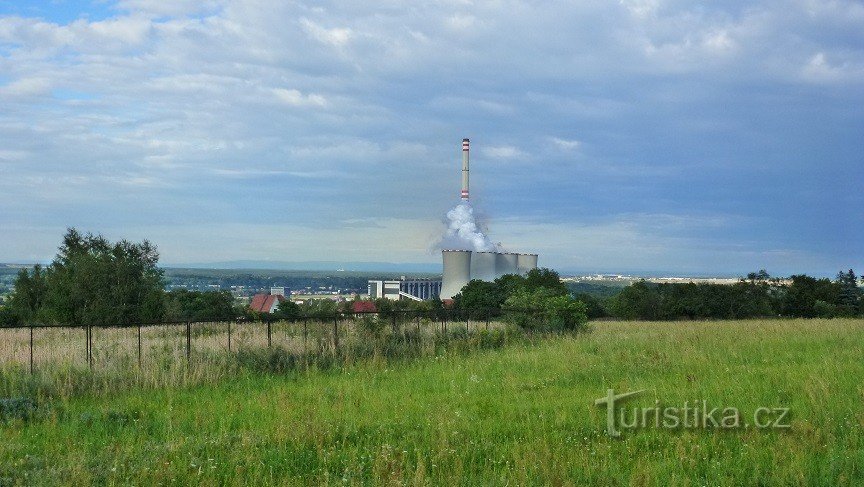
459 266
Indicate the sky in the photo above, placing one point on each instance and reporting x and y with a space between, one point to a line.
662 136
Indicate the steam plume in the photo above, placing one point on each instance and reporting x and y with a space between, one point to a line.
463 232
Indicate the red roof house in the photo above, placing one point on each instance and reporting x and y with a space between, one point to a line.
266 303
363 307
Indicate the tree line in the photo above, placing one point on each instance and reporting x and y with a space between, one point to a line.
94 281
757 296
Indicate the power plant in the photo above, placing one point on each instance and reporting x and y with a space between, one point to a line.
471 255
461 266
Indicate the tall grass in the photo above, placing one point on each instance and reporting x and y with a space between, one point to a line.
521 414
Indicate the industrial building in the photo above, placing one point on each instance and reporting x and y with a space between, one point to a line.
416 289
461 266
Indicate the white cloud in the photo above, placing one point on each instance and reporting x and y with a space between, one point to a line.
26 87
296 98
565 144
503 152
336 36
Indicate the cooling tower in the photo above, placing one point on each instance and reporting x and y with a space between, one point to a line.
506 263
526 262
457 272
483 266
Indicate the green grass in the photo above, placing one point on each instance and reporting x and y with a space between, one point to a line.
519 415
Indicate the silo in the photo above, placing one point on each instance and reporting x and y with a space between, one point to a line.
457 272
505 263
483 266
526 262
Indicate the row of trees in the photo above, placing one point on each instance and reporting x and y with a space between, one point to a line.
92 280
757 296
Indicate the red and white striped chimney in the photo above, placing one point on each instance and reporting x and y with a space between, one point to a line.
465 169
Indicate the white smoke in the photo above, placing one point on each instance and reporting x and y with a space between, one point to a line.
463 233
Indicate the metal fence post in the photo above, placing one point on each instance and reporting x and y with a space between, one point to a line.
31 349
188 340
229 336
269 335
139 345
90 346
335 334
487 320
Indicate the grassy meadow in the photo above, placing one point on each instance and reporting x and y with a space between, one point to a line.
521 414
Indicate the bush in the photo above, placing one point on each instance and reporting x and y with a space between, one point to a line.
541 310
8 317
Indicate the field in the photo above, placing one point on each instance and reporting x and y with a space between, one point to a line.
520 414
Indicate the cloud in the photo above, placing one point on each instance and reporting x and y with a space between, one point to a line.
336 37
297 99
565 144
503 152
335 112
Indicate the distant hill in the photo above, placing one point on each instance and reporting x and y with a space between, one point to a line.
332 266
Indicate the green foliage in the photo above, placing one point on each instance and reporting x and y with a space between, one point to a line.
594 306
30 292
544 310
8 317
92 281
17 408
757 296
182 305
287 310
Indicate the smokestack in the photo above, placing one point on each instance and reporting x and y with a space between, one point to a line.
465 169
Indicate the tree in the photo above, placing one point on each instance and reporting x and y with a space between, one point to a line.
542 309
637 301
546 279
849 294
181 305
479 295
287 310
30 291
92 281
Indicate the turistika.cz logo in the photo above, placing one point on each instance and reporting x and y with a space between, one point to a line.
693 415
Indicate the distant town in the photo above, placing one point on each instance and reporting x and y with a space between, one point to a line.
337 284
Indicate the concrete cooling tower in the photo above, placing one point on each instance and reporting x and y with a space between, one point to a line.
457 272
483 266
461 266
506 264
526 262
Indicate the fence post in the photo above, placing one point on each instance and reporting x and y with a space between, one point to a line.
31 349
335 333
90 346
188 340
487 320
269 335
139 344
229 336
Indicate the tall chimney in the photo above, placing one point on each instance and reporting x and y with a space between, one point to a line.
465 169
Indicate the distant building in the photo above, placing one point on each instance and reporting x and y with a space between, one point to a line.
416 289
277 291
363 307
266 303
